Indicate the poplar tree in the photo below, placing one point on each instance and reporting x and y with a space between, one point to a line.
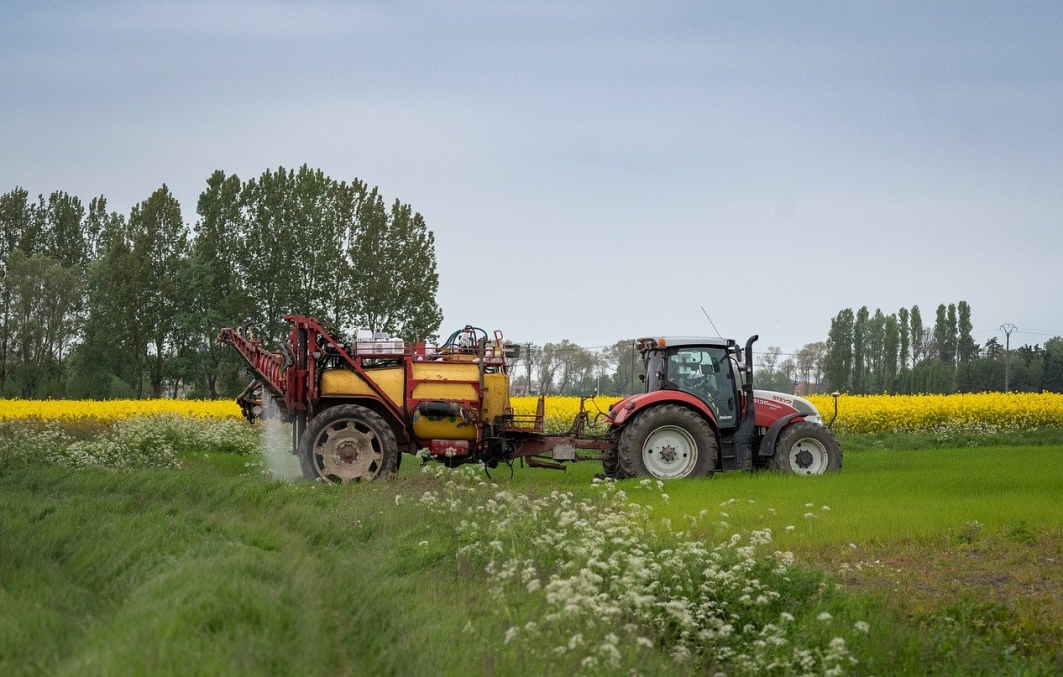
860 350
951 335
918 336
904 331
966 348
838 364
891 339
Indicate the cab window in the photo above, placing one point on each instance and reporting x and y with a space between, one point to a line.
706 373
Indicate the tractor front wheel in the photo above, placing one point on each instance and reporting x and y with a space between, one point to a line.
667 442
348 443
806 449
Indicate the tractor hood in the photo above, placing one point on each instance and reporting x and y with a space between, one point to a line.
772 406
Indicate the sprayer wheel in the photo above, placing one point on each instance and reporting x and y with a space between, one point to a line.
348 443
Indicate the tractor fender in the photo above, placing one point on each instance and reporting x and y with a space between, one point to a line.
627 408
767 445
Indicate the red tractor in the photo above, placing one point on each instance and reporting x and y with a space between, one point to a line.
357 405
699 414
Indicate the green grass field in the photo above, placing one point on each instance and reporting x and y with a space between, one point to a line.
952 556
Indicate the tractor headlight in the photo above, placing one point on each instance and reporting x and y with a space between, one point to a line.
809 410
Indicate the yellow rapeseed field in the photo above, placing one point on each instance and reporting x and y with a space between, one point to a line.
114 410
856 413
886 413
882 413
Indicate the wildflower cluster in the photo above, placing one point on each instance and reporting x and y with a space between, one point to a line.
139 442
594 584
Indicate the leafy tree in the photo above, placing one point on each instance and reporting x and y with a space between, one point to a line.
876 342
213 294
159 239
274 251
395 282
61 230
951 335
810 364
766 363
966 348
577 369
839 361
110 358
891 339
918 335
941 331
627 364
44 295
860 370
15 220
1052 379
548 366
993 349
904 332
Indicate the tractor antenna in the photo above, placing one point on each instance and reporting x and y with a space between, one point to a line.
711 322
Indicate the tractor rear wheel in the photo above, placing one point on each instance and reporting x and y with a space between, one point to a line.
348 443
806 449
667 442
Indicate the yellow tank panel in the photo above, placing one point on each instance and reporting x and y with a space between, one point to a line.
496 395
440 381
343 383
445 371
445 381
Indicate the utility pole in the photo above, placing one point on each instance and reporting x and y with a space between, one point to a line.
1007 328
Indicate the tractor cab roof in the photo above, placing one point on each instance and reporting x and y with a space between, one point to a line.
658 343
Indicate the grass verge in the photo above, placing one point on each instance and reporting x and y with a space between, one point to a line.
207 570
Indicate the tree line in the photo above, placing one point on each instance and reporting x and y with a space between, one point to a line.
897 353
865 353
100 304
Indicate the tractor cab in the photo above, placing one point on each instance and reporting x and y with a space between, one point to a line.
708 369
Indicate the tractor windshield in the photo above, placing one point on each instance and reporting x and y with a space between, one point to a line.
705 371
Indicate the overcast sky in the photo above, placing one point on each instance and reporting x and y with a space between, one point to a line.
596 171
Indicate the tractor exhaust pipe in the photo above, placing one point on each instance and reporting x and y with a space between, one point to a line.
744 435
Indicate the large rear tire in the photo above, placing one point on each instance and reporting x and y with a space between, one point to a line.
667 442
348 443
806 449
